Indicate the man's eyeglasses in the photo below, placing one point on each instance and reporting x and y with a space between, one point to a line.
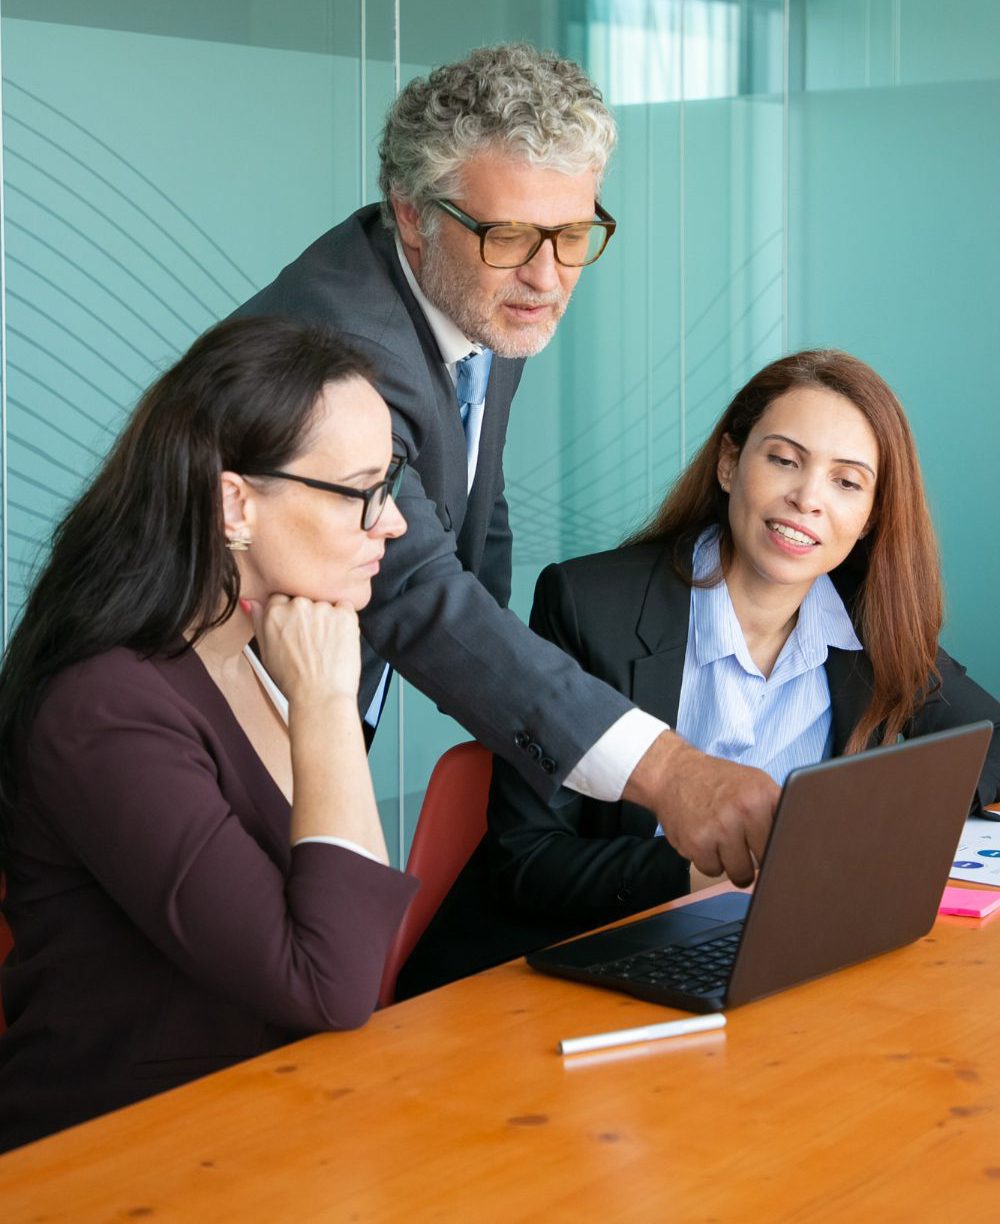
510 244
374 497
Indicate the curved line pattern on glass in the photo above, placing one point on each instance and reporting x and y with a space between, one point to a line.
109 280
153 186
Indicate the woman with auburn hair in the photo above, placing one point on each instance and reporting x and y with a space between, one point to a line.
195 867
782 606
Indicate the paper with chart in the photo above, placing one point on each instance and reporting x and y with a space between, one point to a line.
977 858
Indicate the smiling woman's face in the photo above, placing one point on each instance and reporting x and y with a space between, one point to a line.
801 491
308 541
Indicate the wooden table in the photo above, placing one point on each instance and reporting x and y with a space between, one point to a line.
871 1095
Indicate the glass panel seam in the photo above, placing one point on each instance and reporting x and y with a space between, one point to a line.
868 43
4 506
397 70
785 100
896 70
363 112
649 306
401 703
681 260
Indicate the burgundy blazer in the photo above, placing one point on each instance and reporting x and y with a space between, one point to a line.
163 927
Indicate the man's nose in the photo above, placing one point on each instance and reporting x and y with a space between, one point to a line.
541 272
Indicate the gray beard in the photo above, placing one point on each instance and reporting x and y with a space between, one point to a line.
454 290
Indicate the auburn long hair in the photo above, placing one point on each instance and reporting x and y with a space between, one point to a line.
898 607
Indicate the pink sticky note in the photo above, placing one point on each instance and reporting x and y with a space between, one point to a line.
969 902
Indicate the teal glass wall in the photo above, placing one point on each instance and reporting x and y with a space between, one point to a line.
894 155
790 173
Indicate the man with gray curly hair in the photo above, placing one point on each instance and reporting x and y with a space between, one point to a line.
491 169
526 134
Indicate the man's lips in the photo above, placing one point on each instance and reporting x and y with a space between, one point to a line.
533 311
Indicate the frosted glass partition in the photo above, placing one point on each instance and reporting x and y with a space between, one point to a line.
789 174
894 166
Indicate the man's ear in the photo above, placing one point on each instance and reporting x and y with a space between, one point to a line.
729 455
408 223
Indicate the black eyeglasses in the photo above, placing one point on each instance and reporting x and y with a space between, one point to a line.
374 497
511 244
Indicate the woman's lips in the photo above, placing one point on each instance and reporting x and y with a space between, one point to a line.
791 538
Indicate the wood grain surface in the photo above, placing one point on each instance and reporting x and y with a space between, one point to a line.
870 1095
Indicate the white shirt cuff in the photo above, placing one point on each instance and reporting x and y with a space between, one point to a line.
339 841
603 770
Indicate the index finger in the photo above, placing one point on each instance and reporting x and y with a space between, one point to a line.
737 862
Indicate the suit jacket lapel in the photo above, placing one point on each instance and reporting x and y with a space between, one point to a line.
662 628
453 459
653 679
505 374
849 674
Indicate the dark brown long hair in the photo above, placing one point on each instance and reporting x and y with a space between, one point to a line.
141 558
898 608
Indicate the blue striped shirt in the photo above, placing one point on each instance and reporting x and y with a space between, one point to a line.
729 709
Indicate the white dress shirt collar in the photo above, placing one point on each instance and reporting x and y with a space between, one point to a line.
450 340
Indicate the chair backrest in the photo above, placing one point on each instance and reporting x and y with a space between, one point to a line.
451 825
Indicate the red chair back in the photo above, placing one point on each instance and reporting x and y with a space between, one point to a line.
451 825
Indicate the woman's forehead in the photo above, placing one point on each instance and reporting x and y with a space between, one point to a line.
821 420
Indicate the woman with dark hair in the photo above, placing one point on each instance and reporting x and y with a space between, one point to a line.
194 863
783 606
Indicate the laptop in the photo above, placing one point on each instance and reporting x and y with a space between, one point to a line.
855 866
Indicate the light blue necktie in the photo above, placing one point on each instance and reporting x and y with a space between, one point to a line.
470 389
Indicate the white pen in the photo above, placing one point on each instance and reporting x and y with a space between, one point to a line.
648 1032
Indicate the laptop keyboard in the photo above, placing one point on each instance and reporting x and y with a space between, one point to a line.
703 968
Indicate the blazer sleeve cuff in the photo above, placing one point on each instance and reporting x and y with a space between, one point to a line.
343 842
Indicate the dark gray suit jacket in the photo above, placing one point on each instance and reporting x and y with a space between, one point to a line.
438 612
546 873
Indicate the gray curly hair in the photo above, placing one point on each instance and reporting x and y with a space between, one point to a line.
532 103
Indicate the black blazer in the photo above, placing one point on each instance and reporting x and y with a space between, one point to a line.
438 605
544 872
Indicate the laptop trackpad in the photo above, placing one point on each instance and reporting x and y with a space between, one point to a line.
673 927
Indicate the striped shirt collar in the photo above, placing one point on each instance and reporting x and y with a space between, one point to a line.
823 621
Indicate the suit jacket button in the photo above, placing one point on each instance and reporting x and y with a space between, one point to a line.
548 765
522 739
534 750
